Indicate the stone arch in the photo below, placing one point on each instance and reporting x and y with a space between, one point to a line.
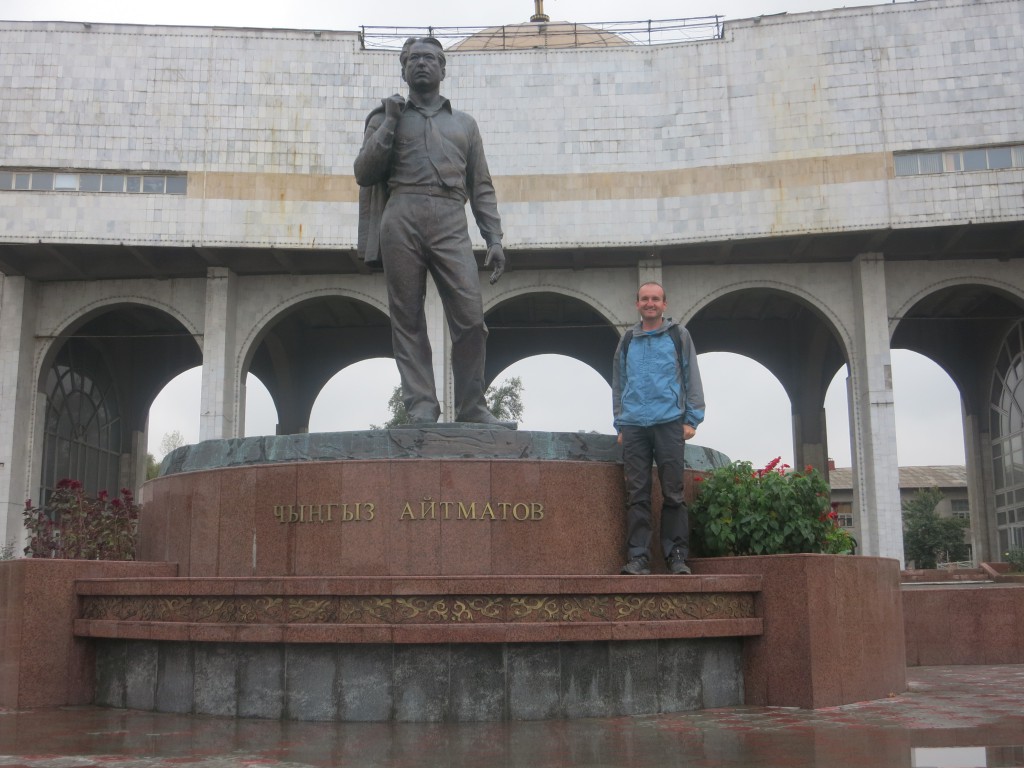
962 324
794 335
958 323
549 319
73 319
588 298
298 345
98 376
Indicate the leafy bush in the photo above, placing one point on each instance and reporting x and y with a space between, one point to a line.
75 527
7 552
1015 557
929 539
770 511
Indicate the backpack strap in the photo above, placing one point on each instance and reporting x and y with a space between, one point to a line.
674 332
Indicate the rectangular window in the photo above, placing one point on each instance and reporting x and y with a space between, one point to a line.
845 521
931 162
177 185
975 160
153 184
952 162
21 180
906 165
999 157
6 180
65 182
960 505
112 182
42 182
133 184
1018 157
89 182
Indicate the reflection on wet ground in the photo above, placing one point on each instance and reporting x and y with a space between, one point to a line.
952 717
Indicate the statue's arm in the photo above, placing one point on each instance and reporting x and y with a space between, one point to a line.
480 189
374 158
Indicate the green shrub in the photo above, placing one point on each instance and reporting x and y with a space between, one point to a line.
770 511
1015 557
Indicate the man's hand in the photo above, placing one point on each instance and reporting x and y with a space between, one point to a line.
495 254
688 432
393 106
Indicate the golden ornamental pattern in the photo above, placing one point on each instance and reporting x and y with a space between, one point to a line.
427 609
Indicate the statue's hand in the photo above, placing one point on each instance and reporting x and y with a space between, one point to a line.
495 254
393 106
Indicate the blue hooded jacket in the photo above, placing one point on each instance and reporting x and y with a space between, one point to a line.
651 384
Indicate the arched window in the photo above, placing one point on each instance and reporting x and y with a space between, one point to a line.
83 425
1007 429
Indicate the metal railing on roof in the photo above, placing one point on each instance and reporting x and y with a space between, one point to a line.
553 34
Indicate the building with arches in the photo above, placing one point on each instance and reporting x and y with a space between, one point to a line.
813 190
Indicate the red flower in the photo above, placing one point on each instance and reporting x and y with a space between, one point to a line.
102 495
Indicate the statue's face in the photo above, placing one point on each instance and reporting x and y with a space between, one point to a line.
423 70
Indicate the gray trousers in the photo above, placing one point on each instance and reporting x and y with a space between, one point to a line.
421 234
661 443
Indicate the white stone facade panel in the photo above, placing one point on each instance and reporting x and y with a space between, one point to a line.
787 120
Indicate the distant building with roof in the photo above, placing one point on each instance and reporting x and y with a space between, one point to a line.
951 480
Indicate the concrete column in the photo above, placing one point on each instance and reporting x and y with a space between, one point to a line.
17 393
876 492
440 352
980 485
649 271
220 407
810 441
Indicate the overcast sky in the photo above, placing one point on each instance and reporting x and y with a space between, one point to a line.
748 412
350 15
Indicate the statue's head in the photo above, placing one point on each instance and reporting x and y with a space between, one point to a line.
423 61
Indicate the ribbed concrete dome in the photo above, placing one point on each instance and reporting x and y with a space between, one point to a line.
539 34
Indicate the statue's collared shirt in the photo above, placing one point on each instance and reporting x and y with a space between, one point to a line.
439 148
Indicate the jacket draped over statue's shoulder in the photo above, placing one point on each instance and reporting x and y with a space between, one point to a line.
372 199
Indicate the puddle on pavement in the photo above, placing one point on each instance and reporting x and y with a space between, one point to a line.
967 757
841 737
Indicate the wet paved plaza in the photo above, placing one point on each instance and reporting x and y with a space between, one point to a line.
952 717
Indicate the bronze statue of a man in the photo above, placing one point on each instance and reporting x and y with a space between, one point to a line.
420 161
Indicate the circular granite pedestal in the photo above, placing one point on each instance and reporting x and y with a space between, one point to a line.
454 572
442 501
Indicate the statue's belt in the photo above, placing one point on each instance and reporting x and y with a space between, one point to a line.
433 190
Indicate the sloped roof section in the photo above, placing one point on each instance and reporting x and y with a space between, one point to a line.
936 476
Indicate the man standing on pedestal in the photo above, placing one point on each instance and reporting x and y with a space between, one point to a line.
420 161
658 402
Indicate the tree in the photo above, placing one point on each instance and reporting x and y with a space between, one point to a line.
397 407
170 441
504 400
927 536
152 466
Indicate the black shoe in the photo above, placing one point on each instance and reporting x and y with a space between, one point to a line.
676 562
637 566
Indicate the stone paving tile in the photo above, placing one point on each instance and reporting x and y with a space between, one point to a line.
946 711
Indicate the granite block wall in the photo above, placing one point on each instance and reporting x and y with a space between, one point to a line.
421 683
